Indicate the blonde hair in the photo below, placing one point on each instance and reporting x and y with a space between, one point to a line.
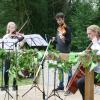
94 28
8 26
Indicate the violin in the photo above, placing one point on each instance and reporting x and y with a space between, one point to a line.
15 35
62 29
18 34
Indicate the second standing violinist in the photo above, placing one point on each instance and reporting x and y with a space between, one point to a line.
63 43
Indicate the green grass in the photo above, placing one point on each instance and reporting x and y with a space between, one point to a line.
20 81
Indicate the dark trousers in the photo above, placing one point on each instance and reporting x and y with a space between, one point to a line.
61 83
81 85
6 72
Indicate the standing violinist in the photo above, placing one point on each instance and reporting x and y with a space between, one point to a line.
11 33
63 44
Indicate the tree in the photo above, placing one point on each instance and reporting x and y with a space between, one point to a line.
81 17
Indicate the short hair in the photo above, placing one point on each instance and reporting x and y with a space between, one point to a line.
60 15
95 28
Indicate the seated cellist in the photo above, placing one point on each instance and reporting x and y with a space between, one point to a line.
93 32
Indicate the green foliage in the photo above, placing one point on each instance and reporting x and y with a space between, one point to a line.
88 60
69 62
24 60
81 17
21 10
3 53
98 77
53 57
7 13
56 61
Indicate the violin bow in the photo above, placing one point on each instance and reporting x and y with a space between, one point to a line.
89 46
23 25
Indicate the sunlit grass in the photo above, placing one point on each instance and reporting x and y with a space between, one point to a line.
20 81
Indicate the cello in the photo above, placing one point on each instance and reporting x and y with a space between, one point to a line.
72 84
80 72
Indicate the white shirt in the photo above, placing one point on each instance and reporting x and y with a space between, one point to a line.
96 46
9 43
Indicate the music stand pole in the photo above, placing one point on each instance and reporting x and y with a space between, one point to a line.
40 67
54 92
43 79
7 66
2 81
16 71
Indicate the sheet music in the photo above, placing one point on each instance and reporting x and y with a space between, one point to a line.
35 40
8 44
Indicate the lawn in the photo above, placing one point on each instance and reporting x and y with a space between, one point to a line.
20 81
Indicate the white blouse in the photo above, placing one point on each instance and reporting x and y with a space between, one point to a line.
96 46
9 43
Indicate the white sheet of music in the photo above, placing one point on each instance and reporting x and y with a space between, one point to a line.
35 40
8 44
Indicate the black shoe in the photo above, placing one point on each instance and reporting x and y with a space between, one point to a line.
59 88
67 93
4 88
14 88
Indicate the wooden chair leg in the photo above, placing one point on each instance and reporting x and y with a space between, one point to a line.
89 85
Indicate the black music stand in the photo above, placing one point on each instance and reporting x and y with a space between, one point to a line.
2 81
35 40
54 91
7 45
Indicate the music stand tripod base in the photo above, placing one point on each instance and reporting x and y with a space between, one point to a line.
7 91
54 92
33 86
